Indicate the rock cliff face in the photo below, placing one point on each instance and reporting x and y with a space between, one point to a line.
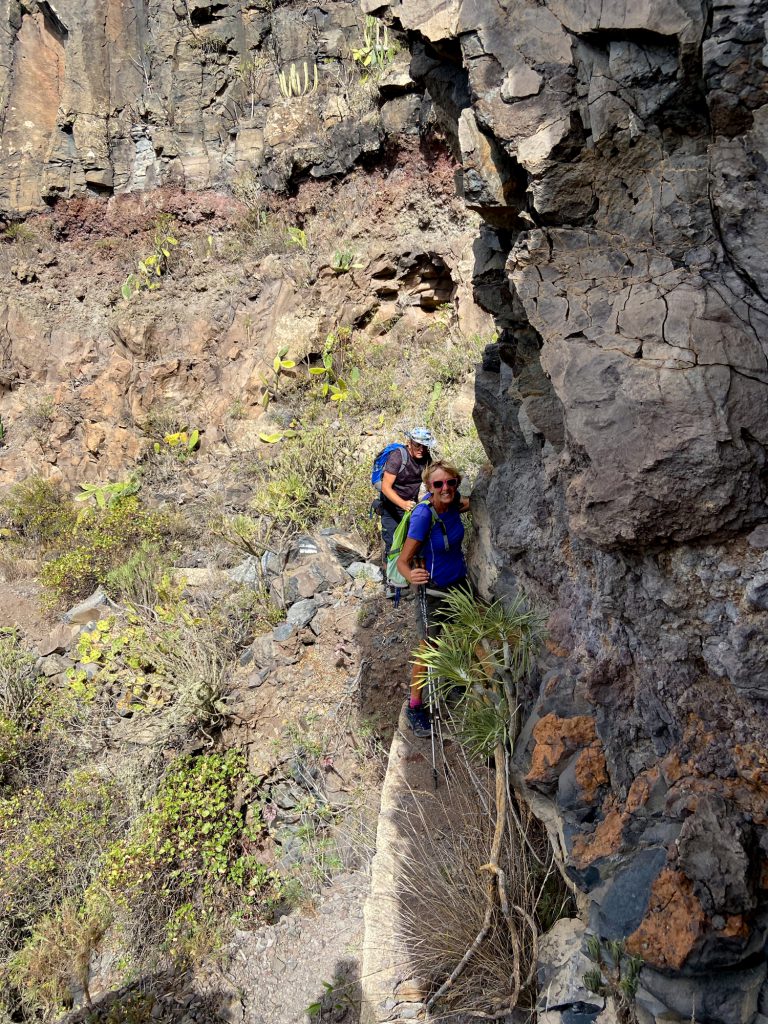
616 154
116 96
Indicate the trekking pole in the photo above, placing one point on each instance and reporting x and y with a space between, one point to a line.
430 688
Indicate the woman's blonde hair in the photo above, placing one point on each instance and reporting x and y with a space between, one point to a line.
433 467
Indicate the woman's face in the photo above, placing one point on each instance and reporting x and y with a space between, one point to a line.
443 487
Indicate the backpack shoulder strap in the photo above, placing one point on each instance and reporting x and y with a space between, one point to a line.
436 519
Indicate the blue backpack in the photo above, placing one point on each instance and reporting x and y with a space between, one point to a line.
380 461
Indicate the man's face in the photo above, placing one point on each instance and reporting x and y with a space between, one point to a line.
418 451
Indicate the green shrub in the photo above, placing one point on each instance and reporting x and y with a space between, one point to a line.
318 477
378 392
166 885
152 268
255 235
39 414
99 541
298 237
48 845
38 510
164 418
453 363
11 744
138 580
19 681
242 615
19 232
191 854
246 534
196 657
56 959
51 840
208 44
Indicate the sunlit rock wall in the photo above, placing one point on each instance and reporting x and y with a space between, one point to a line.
105 97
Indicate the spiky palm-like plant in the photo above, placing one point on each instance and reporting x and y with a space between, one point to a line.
480 656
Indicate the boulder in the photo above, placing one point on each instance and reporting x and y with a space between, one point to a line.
95 607
721 997
248 572
365 571
347 548
57 642
300 614
561 967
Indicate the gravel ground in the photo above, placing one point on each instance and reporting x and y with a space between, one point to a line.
307 958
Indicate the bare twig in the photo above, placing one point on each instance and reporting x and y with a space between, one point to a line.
479 939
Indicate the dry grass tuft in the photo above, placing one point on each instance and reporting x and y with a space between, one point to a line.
444 899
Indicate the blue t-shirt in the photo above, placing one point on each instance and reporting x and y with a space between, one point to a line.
444 567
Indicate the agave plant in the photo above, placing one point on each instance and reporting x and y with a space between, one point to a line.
376 49
291 83
344 260
107 494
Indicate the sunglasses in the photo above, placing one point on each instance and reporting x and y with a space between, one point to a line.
439 484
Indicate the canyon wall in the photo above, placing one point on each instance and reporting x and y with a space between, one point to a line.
104 97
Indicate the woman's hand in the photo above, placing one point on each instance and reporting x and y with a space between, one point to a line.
413 573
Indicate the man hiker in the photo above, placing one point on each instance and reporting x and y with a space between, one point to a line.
401 480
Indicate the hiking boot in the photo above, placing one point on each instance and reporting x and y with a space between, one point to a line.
418 719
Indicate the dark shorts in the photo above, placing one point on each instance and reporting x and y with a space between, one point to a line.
434 600
389 521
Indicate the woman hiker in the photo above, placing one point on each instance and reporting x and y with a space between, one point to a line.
432 557
401 481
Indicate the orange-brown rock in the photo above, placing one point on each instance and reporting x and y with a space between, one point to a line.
557 649
671 768
640 789
672 925
556 739
591 771
735 927
605 840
